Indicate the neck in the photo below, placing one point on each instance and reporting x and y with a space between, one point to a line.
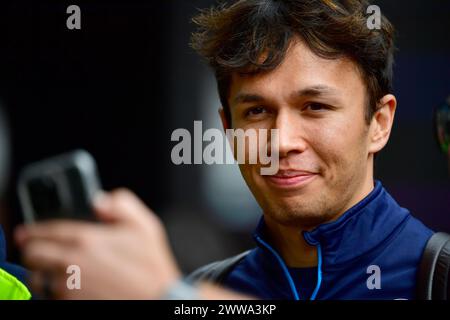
289 242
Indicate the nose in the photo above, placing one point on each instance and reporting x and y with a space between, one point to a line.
290 133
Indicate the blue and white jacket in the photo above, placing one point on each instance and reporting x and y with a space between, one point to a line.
372 251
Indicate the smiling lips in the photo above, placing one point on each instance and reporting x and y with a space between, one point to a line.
291 178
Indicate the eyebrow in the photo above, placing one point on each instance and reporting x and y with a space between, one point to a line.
316 90
311 91
248 98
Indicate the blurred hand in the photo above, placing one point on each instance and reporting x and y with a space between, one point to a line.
125 257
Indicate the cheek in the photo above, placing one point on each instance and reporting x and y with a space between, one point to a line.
339 144
257 141
251 178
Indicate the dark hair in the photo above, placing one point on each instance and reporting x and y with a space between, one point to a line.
233 37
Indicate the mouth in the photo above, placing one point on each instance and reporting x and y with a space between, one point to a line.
287 179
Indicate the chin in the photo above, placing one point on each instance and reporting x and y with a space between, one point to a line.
299 215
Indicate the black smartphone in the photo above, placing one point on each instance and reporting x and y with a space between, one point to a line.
61 187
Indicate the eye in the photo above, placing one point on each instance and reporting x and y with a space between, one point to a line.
315 106
254 111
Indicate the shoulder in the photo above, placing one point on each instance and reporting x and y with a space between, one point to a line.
416 231
405 246
217 271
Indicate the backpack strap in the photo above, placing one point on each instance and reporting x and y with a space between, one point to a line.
217 271
434 269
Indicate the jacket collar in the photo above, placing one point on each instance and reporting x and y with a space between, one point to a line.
355 233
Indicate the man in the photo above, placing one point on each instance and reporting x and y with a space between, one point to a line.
317 73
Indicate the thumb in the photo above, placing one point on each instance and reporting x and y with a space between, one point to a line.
121 205
103 208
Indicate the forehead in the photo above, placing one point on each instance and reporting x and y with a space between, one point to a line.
300 69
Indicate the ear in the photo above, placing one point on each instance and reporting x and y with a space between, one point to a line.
225 123
381 124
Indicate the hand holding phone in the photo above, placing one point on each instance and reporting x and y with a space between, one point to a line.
59 187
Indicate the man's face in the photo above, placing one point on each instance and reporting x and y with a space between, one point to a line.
318 105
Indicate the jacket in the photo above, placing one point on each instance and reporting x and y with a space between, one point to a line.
372 251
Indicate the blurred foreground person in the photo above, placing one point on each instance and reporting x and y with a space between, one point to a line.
12 277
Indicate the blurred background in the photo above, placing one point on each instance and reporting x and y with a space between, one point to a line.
119 87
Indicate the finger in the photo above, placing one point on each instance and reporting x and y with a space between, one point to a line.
63 231
47 256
